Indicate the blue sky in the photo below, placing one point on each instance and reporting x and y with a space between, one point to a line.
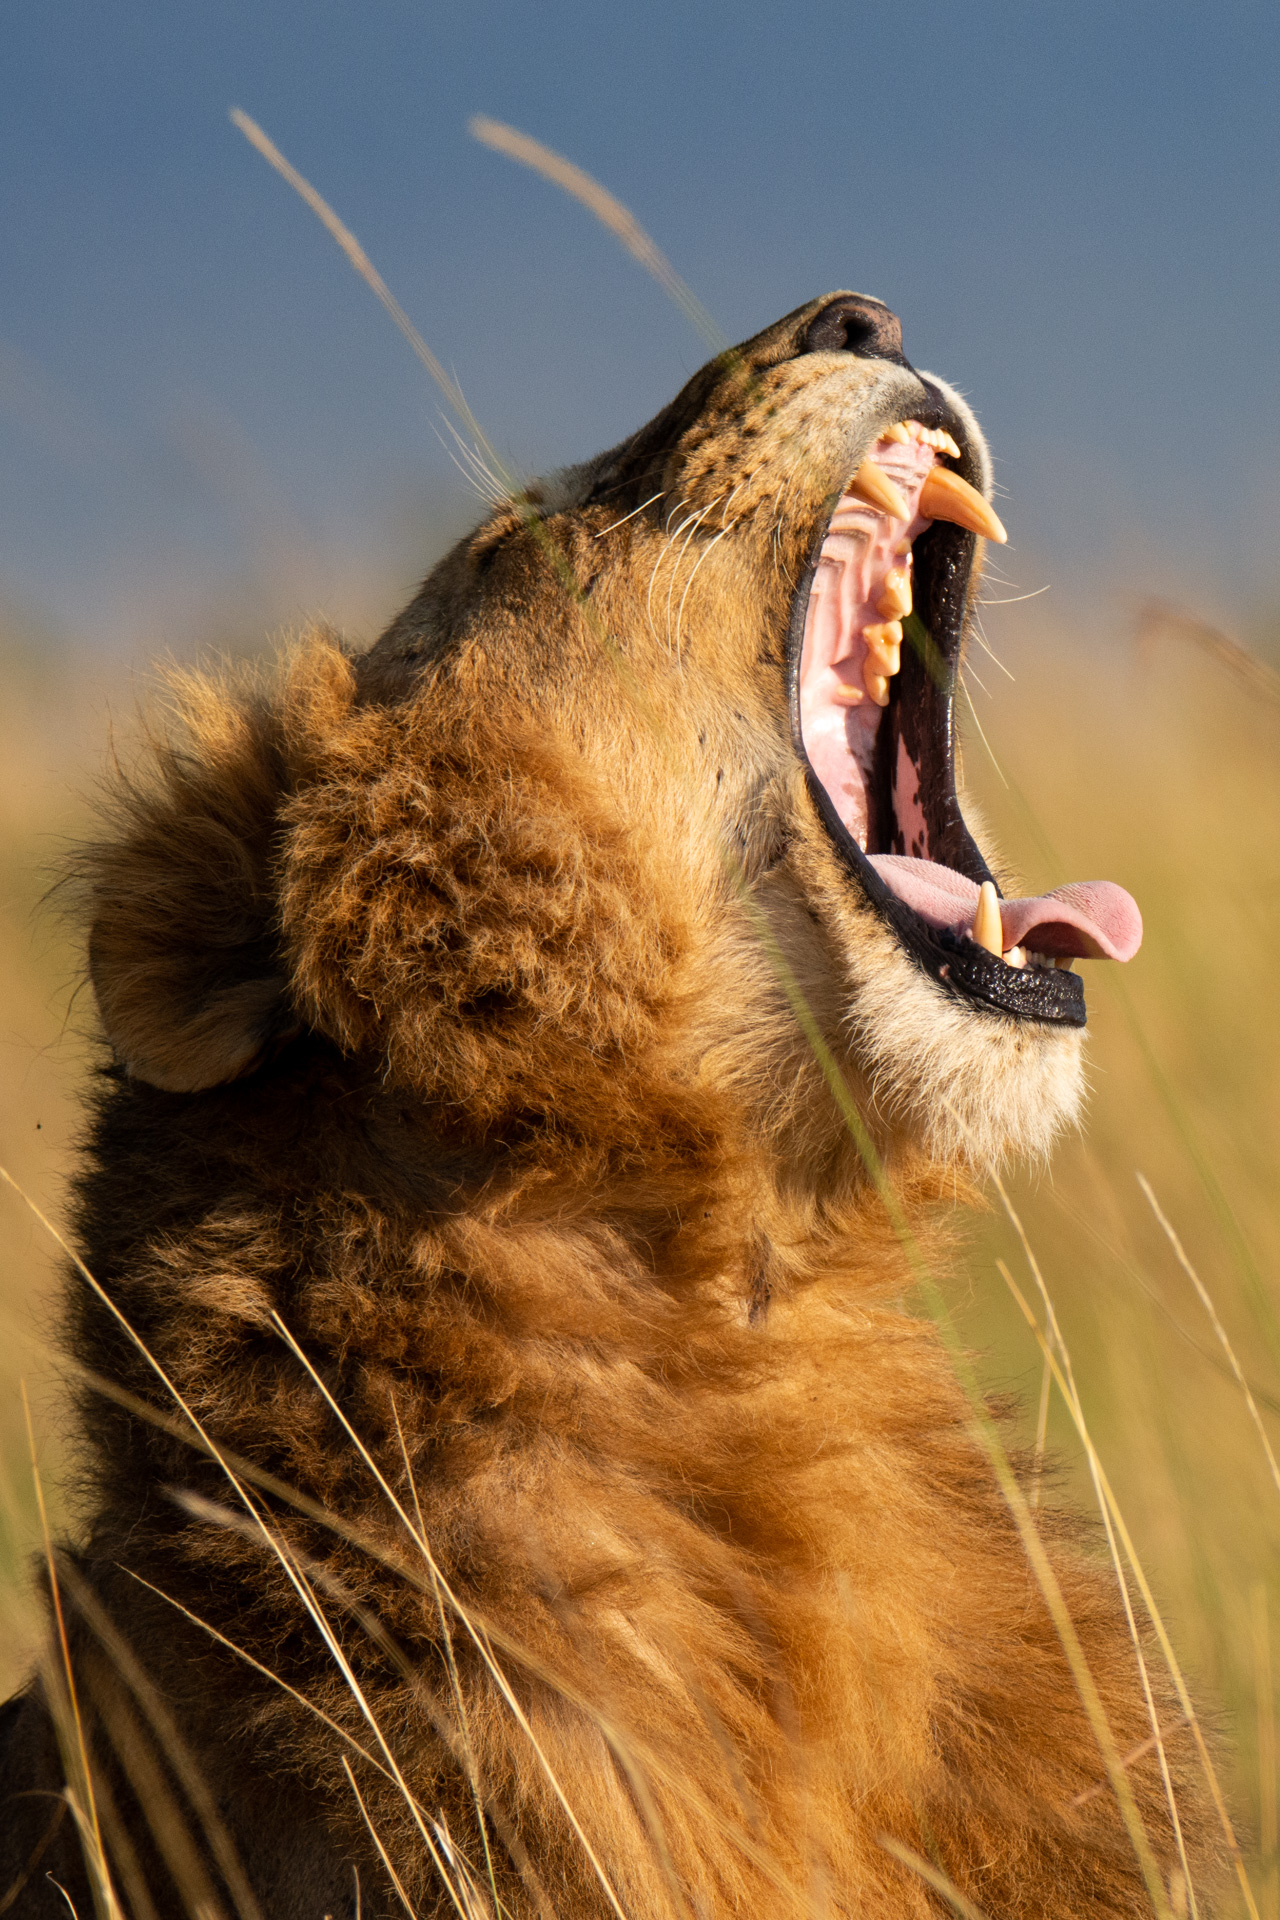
205 418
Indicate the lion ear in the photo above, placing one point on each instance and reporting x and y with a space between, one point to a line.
168 1020
184 951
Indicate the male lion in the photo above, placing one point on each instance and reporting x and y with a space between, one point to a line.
536 1048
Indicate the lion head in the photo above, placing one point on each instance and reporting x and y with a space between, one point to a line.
656 775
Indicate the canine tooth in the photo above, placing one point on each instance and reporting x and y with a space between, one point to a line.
1015 957
895 601
897 432
878 490
945 496
986 928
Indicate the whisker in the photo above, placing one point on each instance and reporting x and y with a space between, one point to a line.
984 643
693 576
982 732
698 518
1015 598
628 516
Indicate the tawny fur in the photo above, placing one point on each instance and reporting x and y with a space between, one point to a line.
450 998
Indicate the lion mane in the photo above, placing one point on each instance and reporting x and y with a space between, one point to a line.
508 1460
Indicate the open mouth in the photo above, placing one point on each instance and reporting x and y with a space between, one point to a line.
875 637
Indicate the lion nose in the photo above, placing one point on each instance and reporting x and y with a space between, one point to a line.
855 323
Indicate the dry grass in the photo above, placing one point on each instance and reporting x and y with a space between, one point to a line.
1155 767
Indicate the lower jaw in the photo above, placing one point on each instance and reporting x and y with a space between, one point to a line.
1048 996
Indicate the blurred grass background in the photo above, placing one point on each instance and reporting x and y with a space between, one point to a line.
1151 760
1148 760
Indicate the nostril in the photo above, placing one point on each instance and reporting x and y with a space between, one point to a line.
854 323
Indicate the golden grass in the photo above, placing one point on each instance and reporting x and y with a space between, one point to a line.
1155 767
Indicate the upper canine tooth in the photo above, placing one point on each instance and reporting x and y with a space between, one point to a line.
986 928
897 432
895 601
945 496
878 490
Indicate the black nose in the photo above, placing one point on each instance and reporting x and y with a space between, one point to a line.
853 323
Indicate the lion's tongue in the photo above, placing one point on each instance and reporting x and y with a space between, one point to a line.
1089 920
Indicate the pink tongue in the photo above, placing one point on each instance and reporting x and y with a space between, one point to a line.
1089 920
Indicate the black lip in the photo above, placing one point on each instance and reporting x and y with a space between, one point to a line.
924 692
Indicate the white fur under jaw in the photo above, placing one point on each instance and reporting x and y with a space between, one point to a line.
968 1085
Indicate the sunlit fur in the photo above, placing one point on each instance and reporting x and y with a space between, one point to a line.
453 997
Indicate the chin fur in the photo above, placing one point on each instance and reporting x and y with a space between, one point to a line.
968 1087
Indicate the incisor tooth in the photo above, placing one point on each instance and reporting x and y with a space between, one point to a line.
945 496
1015 957
986 928
878 490
897 432
895 601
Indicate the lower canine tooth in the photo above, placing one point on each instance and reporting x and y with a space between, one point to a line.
878 490
986 928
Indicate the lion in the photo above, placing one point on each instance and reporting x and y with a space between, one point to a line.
540 1054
